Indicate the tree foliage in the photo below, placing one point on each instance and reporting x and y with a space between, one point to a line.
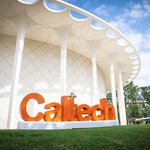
138 101
145 93
134 111
131 92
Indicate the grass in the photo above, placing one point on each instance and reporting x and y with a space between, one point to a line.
135 137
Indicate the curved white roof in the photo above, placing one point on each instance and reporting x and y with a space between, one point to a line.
85 35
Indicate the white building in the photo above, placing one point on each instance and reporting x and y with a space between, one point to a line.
58 51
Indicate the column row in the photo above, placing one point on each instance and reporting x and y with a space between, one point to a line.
63 62
120 93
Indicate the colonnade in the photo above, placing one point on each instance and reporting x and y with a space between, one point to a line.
63 60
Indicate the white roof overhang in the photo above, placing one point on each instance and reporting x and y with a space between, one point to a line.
85 35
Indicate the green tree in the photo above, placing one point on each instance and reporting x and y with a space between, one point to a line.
145 92
134 111
131 92
146 111
137 100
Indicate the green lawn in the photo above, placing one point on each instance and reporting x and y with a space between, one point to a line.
135 137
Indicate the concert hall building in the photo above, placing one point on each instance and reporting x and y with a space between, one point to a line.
54 48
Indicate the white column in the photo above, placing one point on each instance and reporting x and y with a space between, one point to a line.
113 89
121 101
94 73
63 63
15 75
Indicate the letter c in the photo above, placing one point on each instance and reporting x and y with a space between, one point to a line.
39 98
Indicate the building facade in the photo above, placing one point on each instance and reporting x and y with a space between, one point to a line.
57 51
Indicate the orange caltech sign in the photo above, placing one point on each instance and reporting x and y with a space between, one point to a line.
67 110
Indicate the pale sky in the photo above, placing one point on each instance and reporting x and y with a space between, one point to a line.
131 17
